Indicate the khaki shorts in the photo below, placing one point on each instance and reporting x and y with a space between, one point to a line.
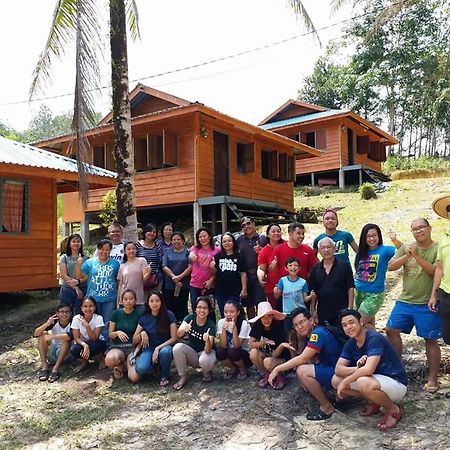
392 388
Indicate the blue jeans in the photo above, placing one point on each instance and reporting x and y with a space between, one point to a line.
105 309
144 363
69 297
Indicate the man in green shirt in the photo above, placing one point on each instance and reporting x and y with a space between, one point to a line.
418 260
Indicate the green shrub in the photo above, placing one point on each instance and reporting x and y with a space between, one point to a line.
367 191
308 215
108 209
395 163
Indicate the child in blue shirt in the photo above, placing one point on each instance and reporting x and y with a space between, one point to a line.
292 287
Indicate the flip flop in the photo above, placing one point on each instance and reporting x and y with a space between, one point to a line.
43 374
118 373
447 394
264 381
242 376
381 425
178 386
430 389
279 382
318 414
164 382
54 376
370 409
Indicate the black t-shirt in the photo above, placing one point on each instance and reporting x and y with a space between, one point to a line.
331 290
246 248
276 333
228 275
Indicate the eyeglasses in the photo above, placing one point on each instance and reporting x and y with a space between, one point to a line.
247 224
419 229
300 323
63 311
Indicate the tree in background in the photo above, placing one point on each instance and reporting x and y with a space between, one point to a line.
78 21
398 76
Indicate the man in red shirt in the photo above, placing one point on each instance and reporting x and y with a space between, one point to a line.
294 248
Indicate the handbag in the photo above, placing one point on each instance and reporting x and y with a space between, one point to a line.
151 281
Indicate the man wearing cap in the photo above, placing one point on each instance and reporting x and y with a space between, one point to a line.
441 282
248 244
411 309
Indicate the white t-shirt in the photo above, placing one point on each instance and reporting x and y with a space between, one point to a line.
117 252
244 334
58 329
95 322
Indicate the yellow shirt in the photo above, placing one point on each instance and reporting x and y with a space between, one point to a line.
443 255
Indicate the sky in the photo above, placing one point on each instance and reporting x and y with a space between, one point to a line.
176 34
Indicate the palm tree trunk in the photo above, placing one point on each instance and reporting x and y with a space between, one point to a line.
123 152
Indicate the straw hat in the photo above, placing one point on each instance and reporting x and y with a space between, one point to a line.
440 205
265 308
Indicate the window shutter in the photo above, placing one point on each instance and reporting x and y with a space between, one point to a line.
291 169
321 139
170 148
362 145
140 154
283 166
110 161
273 167
249 158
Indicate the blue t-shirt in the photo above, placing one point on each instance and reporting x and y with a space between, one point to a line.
342 239
326 344
102 279
371 272
376 344
177 262
292 293
149 323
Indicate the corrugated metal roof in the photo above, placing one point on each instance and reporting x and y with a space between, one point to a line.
12 152
304 118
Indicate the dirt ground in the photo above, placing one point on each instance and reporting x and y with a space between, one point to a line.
91 410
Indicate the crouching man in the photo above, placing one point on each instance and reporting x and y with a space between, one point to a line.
370 368
54 338
319 351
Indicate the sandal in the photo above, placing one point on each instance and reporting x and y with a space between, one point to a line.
318 414
370 409
118 373
229 374
164 382
279 382
447 394
43 374
180 383
207 378
264 381
430 389
382 426
132 359
54 376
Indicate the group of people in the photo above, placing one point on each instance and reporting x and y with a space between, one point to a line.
280 309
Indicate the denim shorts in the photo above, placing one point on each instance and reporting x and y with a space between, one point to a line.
405 316
323 374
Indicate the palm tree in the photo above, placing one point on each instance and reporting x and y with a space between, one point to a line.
77 20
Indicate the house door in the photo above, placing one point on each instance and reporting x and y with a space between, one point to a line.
221 166
350 146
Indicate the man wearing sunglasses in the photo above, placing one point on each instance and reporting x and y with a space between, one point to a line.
418 260
248 243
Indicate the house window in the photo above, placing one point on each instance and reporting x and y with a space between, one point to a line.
316 139
269 164
13 206
245 157
103 156
156 151
286 167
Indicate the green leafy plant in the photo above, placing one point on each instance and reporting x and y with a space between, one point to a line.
367 191
108 209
